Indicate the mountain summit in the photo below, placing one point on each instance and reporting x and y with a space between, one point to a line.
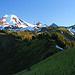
54 25
10 22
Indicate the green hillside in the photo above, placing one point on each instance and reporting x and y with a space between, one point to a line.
61 30
62 63
18 52
22 49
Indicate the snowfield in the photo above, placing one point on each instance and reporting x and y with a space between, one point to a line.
59 47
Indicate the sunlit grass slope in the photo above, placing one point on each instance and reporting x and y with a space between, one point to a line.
62 63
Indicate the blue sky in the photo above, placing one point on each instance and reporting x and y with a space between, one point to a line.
61 12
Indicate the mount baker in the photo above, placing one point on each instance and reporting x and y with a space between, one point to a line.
12 22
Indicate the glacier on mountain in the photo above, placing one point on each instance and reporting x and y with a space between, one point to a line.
12 22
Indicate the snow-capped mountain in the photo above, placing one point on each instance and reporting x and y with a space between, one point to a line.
12 22
72 28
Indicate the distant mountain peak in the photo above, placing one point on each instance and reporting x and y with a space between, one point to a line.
6 16
54 25
12 20
72 28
